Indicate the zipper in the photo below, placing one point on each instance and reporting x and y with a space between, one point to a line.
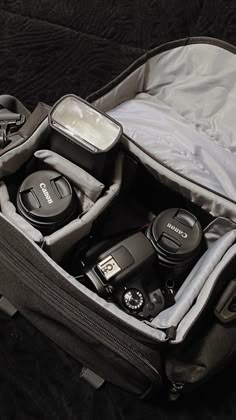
81 317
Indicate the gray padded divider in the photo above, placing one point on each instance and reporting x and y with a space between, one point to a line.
194 283
216 229
12 160
88 190
186 323
215 234
63 239
90 186
9 211
59 242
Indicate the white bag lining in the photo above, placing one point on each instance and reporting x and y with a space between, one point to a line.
178 108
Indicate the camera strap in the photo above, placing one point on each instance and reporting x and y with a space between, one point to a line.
19 124
9 121
12 116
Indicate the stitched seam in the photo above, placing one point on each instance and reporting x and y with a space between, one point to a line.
73 30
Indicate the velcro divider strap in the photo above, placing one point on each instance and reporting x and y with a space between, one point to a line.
92 378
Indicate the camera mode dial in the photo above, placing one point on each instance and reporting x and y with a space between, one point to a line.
133 299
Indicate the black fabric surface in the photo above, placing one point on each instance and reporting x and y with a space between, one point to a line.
49 48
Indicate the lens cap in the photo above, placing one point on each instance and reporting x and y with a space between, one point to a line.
176 234
47 200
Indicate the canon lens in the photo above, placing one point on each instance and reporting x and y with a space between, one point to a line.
47 200
177 236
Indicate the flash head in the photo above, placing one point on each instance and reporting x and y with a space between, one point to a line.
83 134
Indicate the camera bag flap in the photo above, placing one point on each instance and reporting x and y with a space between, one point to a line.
176 105
177 108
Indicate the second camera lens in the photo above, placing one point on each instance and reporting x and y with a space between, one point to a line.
177 237
47 200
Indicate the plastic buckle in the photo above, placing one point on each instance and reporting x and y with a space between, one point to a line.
92 378
6 307
225 309
8 121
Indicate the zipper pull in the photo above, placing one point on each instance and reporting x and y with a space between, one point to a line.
169 293
175 390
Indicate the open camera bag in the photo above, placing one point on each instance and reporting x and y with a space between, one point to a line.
177 106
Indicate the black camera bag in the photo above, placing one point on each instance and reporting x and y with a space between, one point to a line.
186 90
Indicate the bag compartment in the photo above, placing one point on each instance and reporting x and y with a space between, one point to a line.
200 283
194 294
89 191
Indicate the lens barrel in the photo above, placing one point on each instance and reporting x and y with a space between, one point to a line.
47 201
177 236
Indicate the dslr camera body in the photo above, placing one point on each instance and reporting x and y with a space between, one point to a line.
127 275
137 272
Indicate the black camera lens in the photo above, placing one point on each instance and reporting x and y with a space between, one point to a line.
177 237
47 200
